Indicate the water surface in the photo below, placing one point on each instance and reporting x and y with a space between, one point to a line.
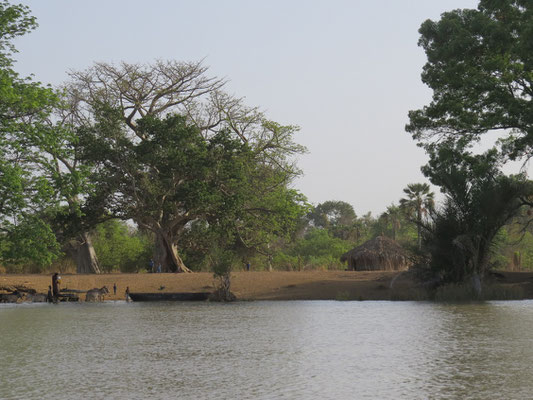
267 350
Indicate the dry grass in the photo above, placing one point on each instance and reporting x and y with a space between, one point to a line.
305 285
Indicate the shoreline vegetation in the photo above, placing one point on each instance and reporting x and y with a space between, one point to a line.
158 165
278 285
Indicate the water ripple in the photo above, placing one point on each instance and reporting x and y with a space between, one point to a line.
267 350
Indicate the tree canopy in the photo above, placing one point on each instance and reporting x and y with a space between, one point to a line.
174 176
480 68
24 194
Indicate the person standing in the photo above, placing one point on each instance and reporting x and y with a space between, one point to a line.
56 280
115 289
127 293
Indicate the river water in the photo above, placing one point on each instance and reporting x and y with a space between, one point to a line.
267 350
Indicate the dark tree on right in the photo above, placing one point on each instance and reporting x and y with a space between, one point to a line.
480 68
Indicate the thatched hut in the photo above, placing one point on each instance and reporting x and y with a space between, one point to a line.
378 254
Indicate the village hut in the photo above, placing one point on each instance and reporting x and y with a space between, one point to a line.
378 254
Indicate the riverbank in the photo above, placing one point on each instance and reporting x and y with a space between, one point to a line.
277 285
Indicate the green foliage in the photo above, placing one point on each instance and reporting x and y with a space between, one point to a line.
396 224
223 165
24 194
19 97
31 241
119 248
525 251
316 250
170 180
480 200
271 212
15 20
196 243
479 67
514 246
222 263
287 262
418 203
332 213
340 220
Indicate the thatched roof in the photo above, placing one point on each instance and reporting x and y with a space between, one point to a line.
380 253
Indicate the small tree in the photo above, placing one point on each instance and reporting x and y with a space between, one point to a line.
222 263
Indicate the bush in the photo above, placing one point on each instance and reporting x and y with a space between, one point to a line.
317 250
119 248
223 263
31 246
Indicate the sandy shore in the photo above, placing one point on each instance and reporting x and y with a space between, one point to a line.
309 285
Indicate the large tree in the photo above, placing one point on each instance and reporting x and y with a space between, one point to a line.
332 213
24 195
37 152
130 93
338 217
480 68
171 87
169 180
55 156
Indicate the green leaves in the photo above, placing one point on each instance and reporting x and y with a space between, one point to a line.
120 249
15 20
479 201
31 240
480 70
25 192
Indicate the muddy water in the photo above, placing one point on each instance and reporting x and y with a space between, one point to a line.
267 350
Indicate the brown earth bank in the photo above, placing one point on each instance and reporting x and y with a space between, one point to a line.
277 285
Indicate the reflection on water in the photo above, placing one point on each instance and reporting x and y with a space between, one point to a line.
267 350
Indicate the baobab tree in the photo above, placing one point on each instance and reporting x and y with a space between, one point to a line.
127 94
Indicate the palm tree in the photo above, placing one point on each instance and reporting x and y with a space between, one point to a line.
393 216
419 201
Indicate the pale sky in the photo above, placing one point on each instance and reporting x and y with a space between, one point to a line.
346 71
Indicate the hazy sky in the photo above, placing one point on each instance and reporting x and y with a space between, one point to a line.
346 72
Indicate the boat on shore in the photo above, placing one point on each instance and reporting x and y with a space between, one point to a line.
180 296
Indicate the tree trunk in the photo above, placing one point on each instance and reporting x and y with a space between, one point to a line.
166 255
419 231
86 259
269 258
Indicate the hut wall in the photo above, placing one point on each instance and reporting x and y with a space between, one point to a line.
373 264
